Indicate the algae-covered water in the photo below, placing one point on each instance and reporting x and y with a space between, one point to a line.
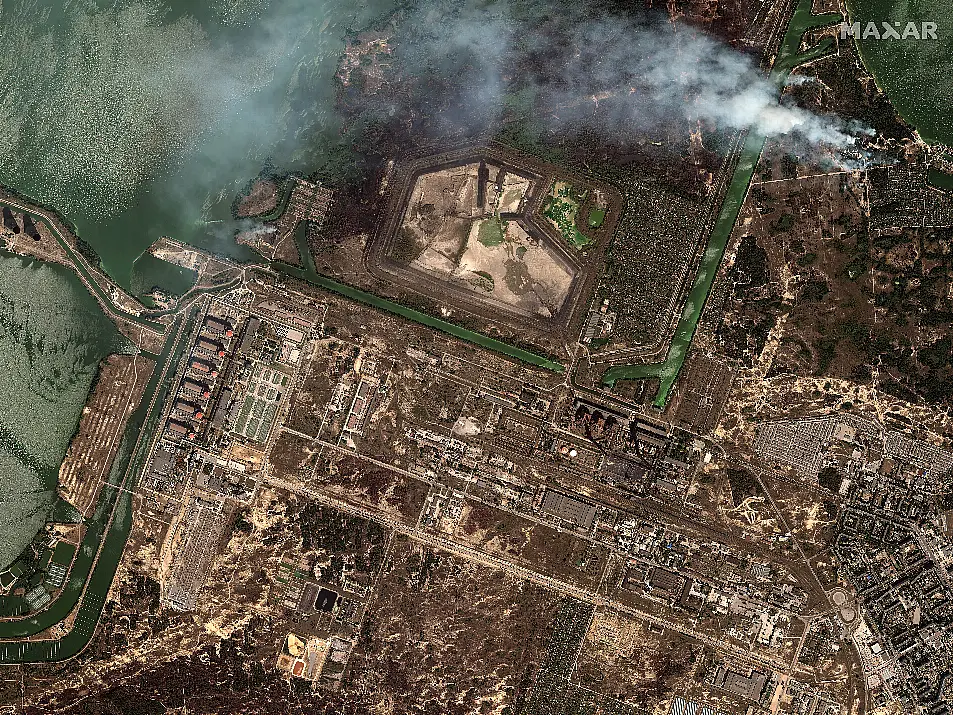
53 335
137 119
915 74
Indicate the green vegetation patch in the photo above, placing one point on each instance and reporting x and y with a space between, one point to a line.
596 218
829 478
940 179
814 291
490 232
784 223
743 485
486 280
65 513
561 208
806 259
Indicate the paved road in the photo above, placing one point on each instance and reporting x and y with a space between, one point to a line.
82 267
520 571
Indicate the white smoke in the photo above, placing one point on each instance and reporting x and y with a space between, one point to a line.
613 75
666 74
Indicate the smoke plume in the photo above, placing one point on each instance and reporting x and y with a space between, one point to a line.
107 106
614 75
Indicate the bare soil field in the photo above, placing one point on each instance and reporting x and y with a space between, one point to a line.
115 394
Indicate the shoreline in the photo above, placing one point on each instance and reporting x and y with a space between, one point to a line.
65 249
925 137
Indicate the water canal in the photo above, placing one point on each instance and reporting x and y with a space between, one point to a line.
667 371
417 316
106 532
53 335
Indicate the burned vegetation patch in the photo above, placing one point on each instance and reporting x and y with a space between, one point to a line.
332 359
626 660
855 292
372 485
661 178
292 455
220 678
540 547
445 635
884 304
131 621
341 542
853 300
840 84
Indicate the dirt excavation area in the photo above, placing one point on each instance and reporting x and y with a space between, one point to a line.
466 225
